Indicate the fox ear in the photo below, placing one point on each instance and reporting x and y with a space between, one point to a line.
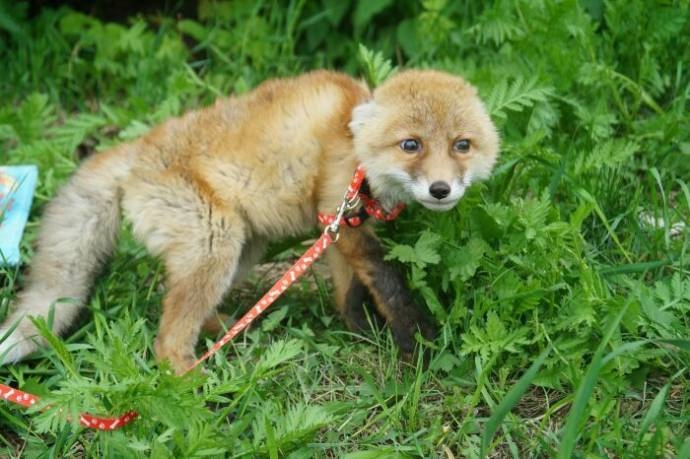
361 114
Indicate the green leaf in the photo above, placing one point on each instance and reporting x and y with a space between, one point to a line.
466 260
366 10
194 29
278 353
408 37
76 129
517 96
424 252
446 362
402 252
376 68
272 321
335 10
426 248
8 23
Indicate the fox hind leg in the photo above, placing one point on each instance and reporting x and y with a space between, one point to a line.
192 297
200 240
251 254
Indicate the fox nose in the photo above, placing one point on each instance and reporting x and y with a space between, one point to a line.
439 189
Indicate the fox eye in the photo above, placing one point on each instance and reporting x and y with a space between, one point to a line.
411 145
462 145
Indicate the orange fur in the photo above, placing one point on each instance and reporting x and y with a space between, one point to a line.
207 190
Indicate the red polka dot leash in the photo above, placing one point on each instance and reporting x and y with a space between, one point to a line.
343 215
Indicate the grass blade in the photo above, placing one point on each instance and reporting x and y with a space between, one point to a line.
586 196
655 409
683 344
685 449
56 344
584 391
509 401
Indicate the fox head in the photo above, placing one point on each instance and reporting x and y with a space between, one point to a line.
424 136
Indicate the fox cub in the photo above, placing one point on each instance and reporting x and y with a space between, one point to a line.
206 191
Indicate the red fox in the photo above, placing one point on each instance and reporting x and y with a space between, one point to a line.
206 191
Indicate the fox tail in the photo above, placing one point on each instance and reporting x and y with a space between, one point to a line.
78 233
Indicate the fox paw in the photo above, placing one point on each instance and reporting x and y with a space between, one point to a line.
179 360
404 334
16 346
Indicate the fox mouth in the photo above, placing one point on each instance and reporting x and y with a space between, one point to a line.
438 206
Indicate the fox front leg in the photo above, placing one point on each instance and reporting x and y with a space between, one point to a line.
363 253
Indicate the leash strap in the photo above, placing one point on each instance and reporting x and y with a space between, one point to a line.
329 236
290 277
85 419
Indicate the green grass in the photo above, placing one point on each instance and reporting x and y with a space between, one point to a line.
564 312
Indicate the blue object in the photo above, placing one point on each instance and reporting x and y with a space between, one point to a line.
17 184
